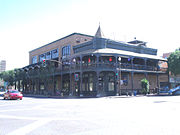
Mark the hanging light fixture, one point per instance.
(89, 60)
(110, 59)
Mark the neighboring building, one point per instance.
(2, 66)
(2, 69)
(173, 81)
(166, 55)
(1, 83)
(91, 66)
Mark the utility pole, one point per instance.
(119, 59)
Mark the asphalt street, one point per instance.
(153, 115)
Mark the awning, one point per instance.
(108, 51)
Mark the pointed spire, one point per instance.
(99, 33)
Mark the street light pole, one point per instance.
(74, 67)
(119, 59)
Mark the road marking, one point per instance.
(4, 105)
(20, 117)
(27, 129)
(40, 118)
(21, 109)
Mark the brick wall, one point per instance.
(73, 39)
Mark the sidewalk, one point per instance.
(45, 96)
(77, 97)
(125, 96)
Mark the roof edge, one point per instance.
(75, 33)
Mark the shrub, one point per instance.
(145, 86)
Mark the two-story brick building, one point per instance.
(84, 65)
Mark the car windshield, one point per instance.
(14, 91)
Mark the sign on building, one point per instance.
(76, 77)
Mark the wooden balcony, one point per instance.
(109, 66)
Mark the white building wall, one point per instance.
(2, 66)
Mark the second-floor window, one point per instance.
(48, 55)
(66, 50)
(41, 57)
(34, 59)
(55, 53)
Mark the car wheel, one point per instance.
(4, 98)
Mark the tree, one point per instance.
(8, 76)
(145, 86)
(19, 77)
(174, 62)
(178, 49)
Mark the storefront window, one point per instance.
(91, 86)
(88, 82)
(42, 87)
(66, 86)
(91, 82)
(83, 86)
(111, 86)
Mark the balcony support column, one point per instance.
(38, 85)
(132, 65)
(146, 75)
(145, 67)
(117, 78)
(157, 77)
(97, 61)
(97, 84)
(157, 65)
(70, 78)
(81, 75)
(97, 75)
(145, 63)
(132, 81)
(61, 83)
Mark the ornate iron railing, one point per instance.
(109, 65)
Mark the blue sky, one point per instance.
(18, 12)
(28, 24)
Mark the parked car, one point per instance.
(175, 91)
(2, 92)
(164, 90)
(13, 94)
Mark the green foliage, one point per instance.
(174, 62)
(178, 49)
(8, 76)
(145, 86)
